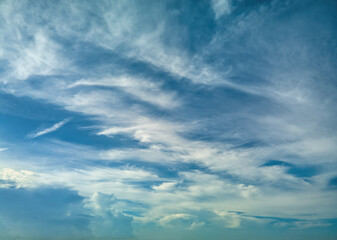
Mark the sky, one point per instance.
(168, 120)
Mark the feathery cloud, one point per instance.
(50, 129)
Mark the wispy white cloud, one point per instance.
(168, 221)
(296, 125)
(142, 89)
(166, 186)
(221, 7)
(50, 129)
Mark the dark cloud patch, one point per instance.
(271, 163)
(305, 171)
(333, 182)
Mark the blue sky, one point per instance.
(168, 120)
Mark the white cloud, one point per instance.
(109, 222)
(102, 203)
(296, 126)
(150, 130)
(122, 182)
(169, 220)
(300, 225)
(232, 219)
(50, 129)
(221, 7)
(142, 89)
(17, 179)
(38, 57)
(166, 186)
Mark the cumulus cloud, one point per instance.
(12, 178)
(109, 223)
(232, 219)
(177, 219)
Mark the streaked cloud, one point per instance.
(50, 129)
(209, 119)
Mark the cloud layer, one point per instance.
(168, 120)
